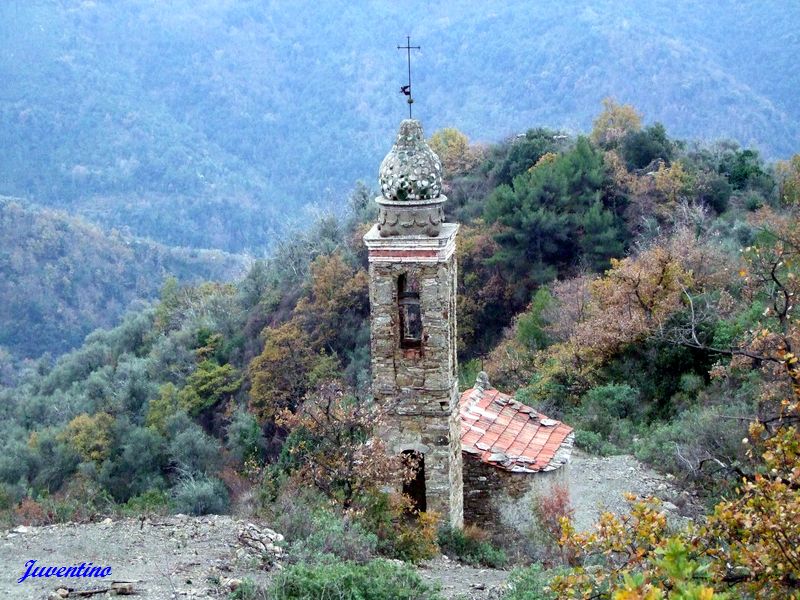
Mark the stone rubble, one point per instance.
(261, 543)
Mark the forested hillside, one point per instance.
(197, 123)
(637, 287)
(61, 278)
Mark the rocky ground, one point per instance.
(599, 483)
(164, 558)
(201, 557)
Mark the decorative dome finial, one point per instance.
(411, 186)
(411, 170)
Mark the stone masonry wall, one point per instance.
(421, 383)
(501, 502)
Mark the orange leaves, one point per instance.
(453, 149)
(636, 557)
(335, 306)
(773, 266)
(279, 373)
(90, 436)
(636, 297)
(338, 453)
(615, 122)
(623, 543)
(338, 294)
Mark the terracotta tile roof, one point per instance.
(510, 435)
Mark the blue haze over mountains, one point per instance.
(212, 123)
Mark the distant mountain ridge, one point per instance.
(61, 278)
(211, 123)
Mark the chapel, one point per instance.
(481, 456)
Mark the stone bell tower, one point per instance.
(412, 289)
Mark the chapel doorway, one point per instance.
(415, 487)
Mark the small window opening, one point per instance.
(410, 314)
(414, 488)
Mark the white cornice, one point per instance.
(412, 248)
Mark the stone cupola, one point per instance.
(411, 186)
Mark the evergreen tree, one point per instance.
(640, 148)
(552, 215)
(601, 239)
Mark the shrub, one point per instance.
(316, 533)
(64, 510)
(15, 460)
(200, 496)
(593, 443)
(155, 502)
(640, 148)
(290, 511)
(195, 452)
(248, 590)
(137, 465)
(161, 407)
(603, 407)
(376, 580)
(532, 323)
(6, 497)
(244, 438)
(90, 436)
(699, 437)
(549, 509)
(753, 202)
(55, 459)
(81, 498)
(401, 534)
(334, 537)
(30, 512)
(471, 545)
(417, 537)
(209, 384)
(530, 583)
(467, 373)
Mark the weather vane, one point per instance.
(406, 89)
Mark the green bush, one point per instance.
(6, 497)
(155, 502)
(529, 583)
(201, 496)
(316, 533)
(753, 201)
(376, 580)
(696, 434)
(194, 451)
(602, 407)
(137, 466)
(593, 443)
(469, 546)
(244, 438)
(248, 590)
(401, 535)
(334, 538)
(531, 324)
(606, 419)
(467, 373)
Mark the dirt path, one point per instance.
(462, 582)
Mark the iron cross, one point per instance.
(406, 89)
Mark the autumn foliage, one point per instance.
(338, 451)
(749, 546)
